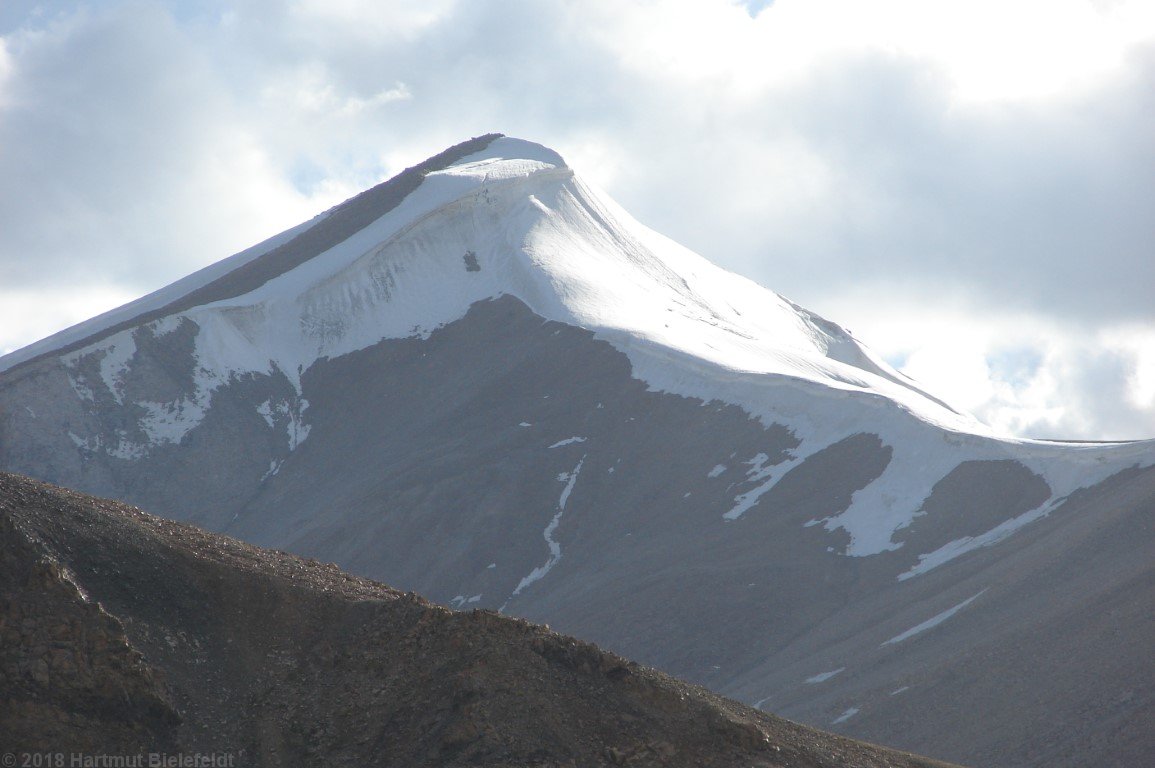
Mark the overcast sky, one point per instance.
(968, 186)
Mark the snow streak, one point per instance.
(538, 573)
(934, 621)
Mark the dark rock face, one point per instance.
(126, 634)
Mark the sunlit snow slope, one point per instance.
(486, 381)
(546, 237)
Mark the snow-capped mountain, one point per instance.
(484, 381)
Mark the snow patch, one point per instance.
(1066, 468)
(78, 381)
(767, 476)
(123, 448)
(265, 410)
(569, 478)
(934, 621)
(126, 449)
(845, 716)
(958, 547)
(568, 441)
(165, 325)
(461, 600)
(170, 422)
(824, 676)
(290, 415)
(538, 573)
(717, 470)
(894, 500)
(114, 364)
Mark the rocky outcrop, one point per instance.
(69, 673)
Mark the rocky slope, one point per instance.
(485, 382)
(126, 634)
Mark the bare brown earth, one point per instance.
(125, 634)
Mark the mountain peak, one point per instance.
(493, 216)
(486, 381)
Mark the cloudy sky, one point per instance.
(969, 186)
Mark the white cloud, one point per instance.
(23, 319)
(1136, 343)
(133, 162)
(370, 19)
(1019, 372)
(989, 50)
(955, 370)
(310, 90)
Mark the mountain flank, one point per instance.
(124, 633)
